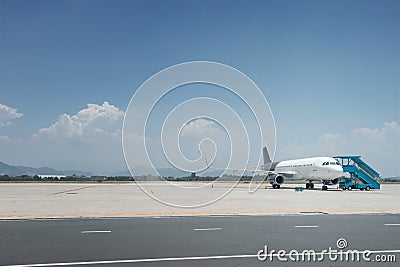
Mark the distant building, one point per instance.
(97, 178)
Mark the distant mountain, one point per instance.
(144, 170)
(220, 172)
(10, 170)
(137, 171)
(171, 172)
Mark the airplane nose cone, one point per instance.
(339, 170)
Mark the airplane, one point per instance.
(324, 169)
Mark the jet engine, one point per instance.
(335, 181)
(279, 179)
(331, 182)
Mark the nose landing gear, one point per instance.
(310, 185)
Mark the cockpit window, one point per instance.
(330, 163)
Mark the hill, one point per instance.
(10, 170)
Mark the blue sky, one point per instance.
(329, 70)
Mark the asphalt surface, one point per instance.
(195, 241)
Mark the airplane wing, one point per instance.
(288, 173)
(260, 171)
(285, 174)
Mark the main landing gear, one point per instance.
(276, 186)
(309, 185)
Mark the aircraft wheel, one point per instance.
(308, 186)
(311, 185)
(324, 188)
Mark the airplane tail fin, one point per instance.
(266, 157)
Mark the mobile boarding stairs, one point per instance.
(362, 176)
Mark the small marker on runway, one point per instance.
(306, 226)
(207, 229)
(392, 224)
(93, 232)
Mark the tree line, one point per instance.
(75, 178)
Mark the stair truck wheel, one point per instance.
(368, 188)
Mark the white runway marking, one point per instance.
(306, 226)
(207, 229)
(168, 259)
(132, 261)
(93, 232)
(392, 224)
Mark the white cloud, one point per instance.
(87, 140)
(378, 146)
(4, 138)
(7, 114)
(389, 133)
(330, 138)
(92, 121)
(200, 127)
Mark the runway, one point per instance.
(195, 241)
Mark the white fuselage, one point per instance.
(317, 168)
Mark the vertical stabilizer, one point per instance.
(267, 159)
